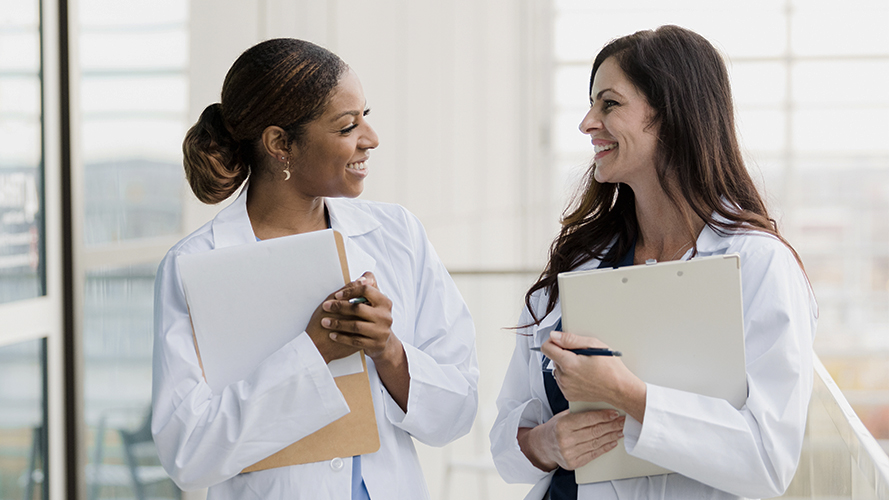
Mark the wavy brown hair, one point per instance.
(283, 82)
(698, 159)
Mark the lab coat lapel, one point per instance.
(546, 326)
(353, 224)
(549, 321)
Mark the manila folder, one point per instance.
(679, 324)
(248, 301)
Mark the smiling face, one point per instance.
(619, 124)
(331, 159)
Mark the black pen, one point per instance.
(593, 351)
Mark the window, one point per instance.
(133, 63)
(23, 420)
(21, 154)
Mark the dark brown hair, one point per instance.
(698, 159)
(283, 82)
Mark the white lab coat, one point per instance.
(205, 439)
(717, 452)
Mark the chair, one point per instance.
(34, 476)
(141, 467)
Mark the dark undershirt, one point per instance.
(563, 485)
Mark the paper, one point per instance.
(678, 325)
(346, 366)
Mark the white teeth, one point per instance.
(357, 166)
(604, 147)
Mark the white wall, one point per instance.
(456, 98)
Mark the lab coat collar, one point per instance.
(713, 241)
(232, 225)
(348, 219)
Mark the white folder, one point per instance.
(248, 301)
(679, 324)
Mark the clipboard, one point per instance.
(272, 287)
(679, 324)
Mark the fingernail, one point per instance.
(332, 336)
(555, 335)
(325, 322)
(338, 295)
(613, 415)
(620, 434)
(327, 305)
(361, 280)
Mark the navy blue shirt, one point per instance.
(563, 485)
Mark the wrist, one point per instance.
(392, 355)
(631, 397)
(530, 444)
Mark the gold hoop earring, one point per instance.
(286, 169)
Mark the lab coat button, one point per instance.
(336, 464)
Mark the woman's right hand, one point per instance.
(329, 349)
(571, 440)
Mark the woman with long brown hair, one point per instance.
(667, 182)
(291, 132)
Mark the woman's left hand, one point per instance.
(594, 378)
(366, 325)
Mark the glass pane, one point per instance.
(582, 27)
(841, 83)
(760, 129)
(823, 27)
(864, 130)
(117, 348)
(152, 51)
(21, 153)
(22, 420)
(758, 83)
(132, 199)
(97, 14)
(133, 98)
(155, 95)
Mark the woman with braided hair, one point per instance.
(291, 132)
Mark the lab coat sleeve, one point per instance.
(443, 392)
(752, 452)
(204, 438)
(517, 407)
